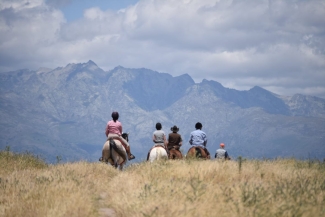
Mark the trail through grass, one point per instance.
(287, 187)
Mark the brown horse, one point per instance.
(174, 154)
(197, 152)
(114, 152)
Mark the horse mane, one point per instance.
(125, 136)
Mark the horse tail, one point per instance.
(158, 154)
(118, 151)
(198, 152)
(111, 146)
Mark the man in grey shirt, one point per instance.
(159, 138)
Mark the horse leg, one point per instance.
(179, 155)
(105, 153)
(148, 155)
(207, 153)
(115, 164)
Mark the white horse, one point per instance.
(157, 153)
(115, 153)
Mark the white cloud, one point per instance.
(27, 28)
(278, 45)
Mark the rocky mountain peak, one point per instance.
(63, 112)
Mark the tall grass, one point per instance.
(282, 187)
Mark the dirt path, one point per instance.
(105, 212)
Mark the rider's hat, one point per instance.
(222, 145)
(174, 128)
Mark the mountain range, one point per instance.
(61, 113)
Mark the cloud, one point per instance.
(58, 3)
(278, 45)
(27, 28)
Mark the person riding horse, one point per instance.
(199, 138)
(159, 138)
(174, 139)
(114, 152)
(113, 130)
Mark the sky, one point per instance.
(275, 44)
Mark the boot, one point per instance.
(130, 156)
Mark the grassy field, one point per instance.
(284, 187)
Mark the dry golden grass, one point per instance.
(168, 188)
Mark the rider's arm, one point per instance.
(205, 140)
(106, 130)
(165, 141)
(120, 128)
(191, 139)
(226, 155)
(180, 141)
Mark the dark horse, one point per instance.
(197, 152)
(175, 153)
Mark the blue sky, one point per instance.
(74, 9)
(275, 44)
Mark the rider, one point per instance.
(159, 138)
(199, 138)
(221, 153)
(114, 131)
(174, 139)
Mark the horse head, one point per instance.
(125, 136)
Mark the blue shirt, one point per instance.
(198, 138)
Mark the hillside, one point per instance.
(62, 112)
(290, 187)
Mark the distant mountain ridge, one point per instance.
(63, 112)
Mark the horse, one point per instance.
(197, 152)
(175, 153)
(157, 153)
(113, 152)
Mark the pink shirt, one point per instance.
(113, 127)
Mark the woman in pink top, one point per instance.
(114, 131)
